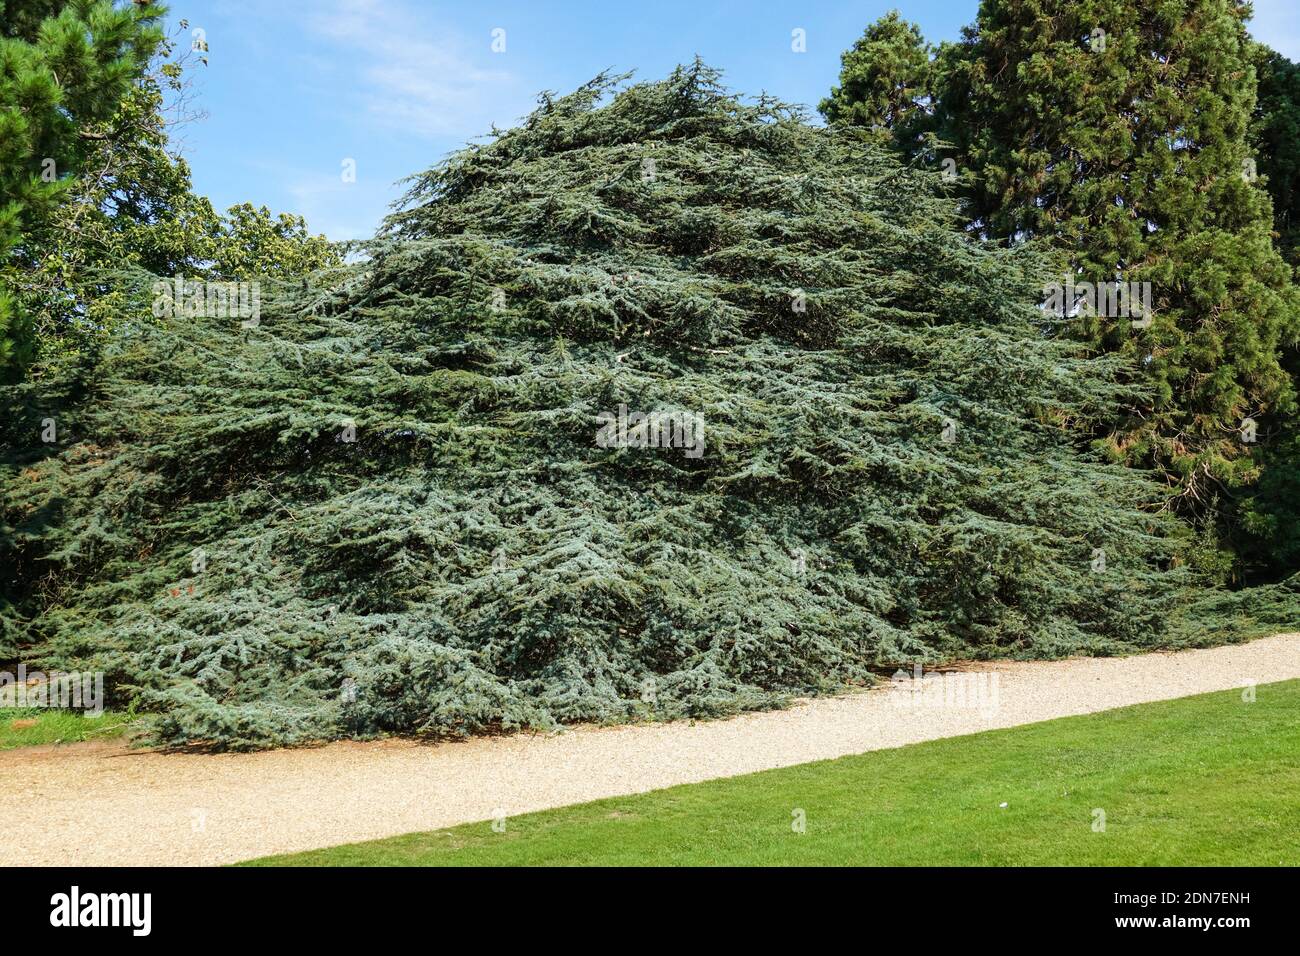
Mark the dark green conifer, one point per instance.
(1118, 133)
(386, 507)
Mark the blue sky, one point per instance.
(293, 88)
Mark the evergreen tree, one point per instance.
(64, 66)
(1117, 132)
(1270, 512)
(1276, 141)
(886, 83)
(405, 500)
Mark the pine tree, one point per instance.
(64, 66)
(406, 501)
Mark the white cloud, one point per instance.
(415, 75)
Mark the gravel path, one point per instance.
(99, 804)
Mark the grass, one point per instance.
(1207, 780)
(28, 726)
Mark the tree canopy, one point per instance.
(387, 505)
(130, 205)
(64, 67)
(1275, 137)
(886, 82)
(1120, 135)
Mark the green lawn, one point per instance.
(1197, 781)
(26, 726)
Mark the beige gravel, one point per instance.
(96, 804)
